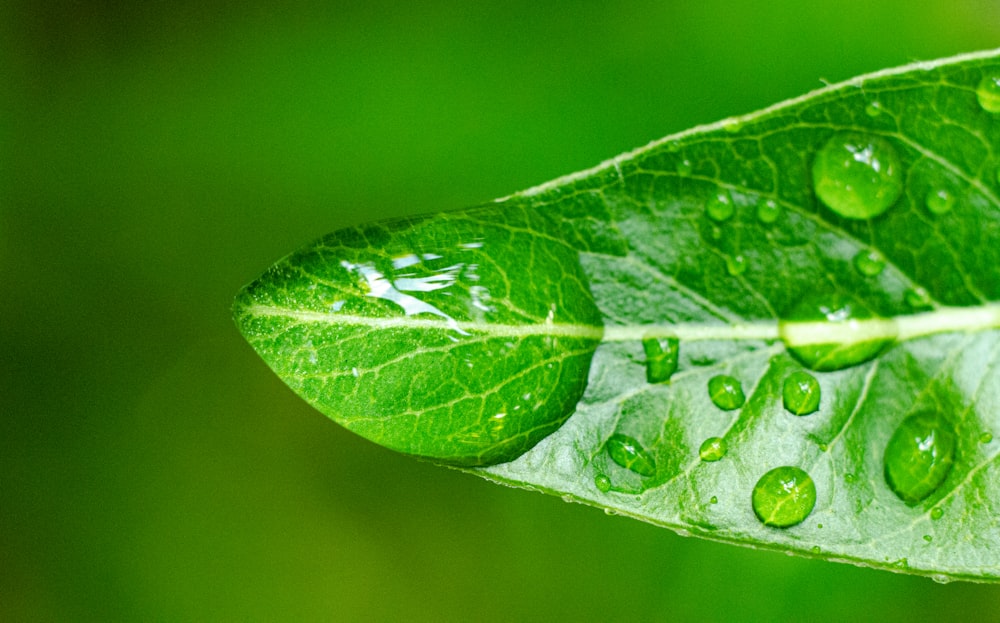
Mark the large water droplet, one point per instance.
(629, 453)
(988, 93)
(712, 449)
(768, 211)
(919, 456)
(869, 263)
(726, 392)
(662, 354)
(720, 207)
(784, 497)
(800, 393)
(939, 201)
(828, 331)
(857, 176)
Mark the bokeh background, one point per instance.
(156, 156)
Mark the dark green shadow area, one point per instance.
(156, 157)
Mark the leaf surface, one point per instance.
(650, 336)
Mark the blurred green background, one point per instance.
(157, 156)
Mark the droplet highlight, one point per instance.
(988, 93)
(784, 497)
(857, 176)
(919, 457)
(720, 208)
(829, 331)
(869, 263)
(939, 202)
(712, 449)
(662, 357)
(726, 392)
(629, 453)
(800, 393)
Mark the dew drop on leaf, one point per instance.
(919, 456)
(800, 393)
(869, 263)
(857, 342)
(712, 449)
(720, 208)
(662, 354)
(736, 265)
(768, 211)
(873, 109)
(726, 392)
(714, 499)
(939, 201)
(602, 482)
(988, 93)
(684, 167)
(857, 176)
(629, 453)
(937, 513)
(918, 298)
(928, 538)
(784, 497)
(986, 437)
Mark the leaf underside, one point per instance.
(516, 340)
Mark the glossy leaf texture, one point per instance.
(780, 330)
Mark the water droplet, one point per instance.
(732, 126)
(849, 478)
(610, 512)
(726, 392)
(714, 500)
(939, 201)
(988, 93)
(919, 456)
(720, 207)
(828, 331)
(940, 578)
(928, 538)
(937, 513)
(629, 453)
(736, 265)
(602, 482)
(800, 393)
(784, 497)
(986, 437)
(662, 354)
(869, 263)
(684, 167)
(768, 211)
(873, 109)
(918, 298)
(712, 449)
(857, 176)
(815, 549)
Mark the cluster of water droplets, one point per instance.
(856, 176)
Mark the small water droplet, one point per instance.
(726, 392)
(857, 341)
(857, 176)
(567, 498)
(988, 93)
(873, 109)
(732, 126)
(603, 483)
(662, 355)
(869, 263)
(736, 265)
(800, 393)
(714, 500)
(986, 437)
(720, 208)
(939, 201)
(928, 538)
(849, 478)
(937, 513)
(629, 453)
(918, 298)
(940, 578)
(784, 497)
(610, 512)
(768, 211)
(712, 449)
(815, 549)
(919, 456)
(684, 167)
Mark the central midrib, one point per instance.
(901, 328)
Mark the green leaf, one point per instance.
(780, 330)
